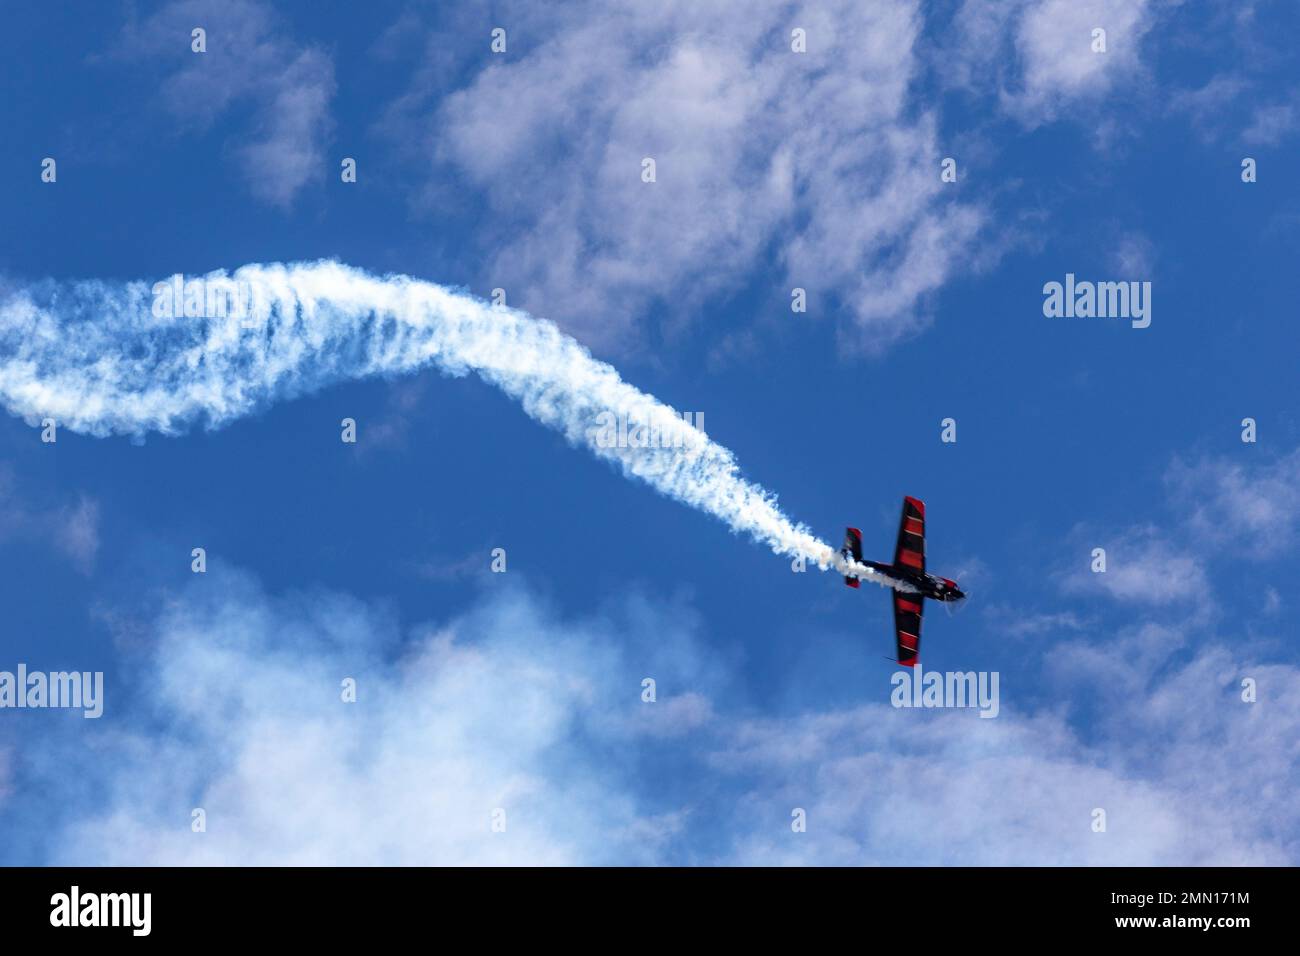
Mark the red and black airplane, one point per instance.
(909, 567)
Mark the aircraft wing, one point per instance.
(910, 550)
(907, 626)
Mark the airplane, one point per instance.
(909, 567)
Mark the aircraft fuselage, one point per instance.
(927, 585)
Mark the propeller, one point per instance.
(953, 607)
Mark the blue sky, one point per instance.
(522, 690)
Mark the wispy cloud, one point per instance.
(1251, 508)
(1021, 622)
(1270, 123)
(1142, 566)
(251, 58)
(914, 788)
(818, 170)
(76, 530)
(506, 708)
(1208, 105)
(72, 528)
(513, 706)
(1225, 508)
(818, 160)
(1038, 55)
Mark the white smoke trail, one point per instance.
(98, 358)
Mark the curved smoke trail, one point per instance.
(103, 358)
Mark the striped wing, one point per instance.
(910, 551)
(907, 626)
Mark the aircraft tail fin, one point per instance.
(852, 549)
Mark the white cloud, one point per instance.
(513, 706)
(1133, 256)
(1216, 108)
(1270, 124)
(1018, 802)
(671, 716)
(1142, 565)
(1210, 105)
(1018, 622)
(1055, 41)
(1122, 664)
(250, 58)
(391, 429)
(1231, 509)
(76, 530)
(1251, 508)
(72, 529)
(1225, 510)
(1038, 54)
(6, 762)
(774, 169)
(816, 166)
(1171, 761)
(504, 707)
